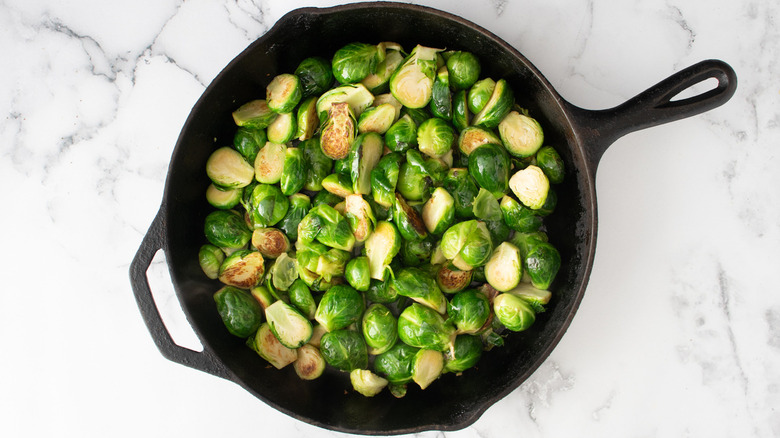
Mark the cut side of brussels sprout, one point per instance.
(339, 131)
(479, 94)
(513, 312)
(242, 269)
(254, 114)
(283, 128)
(310, 364)
(500, 104)
(409, 223)
(360, 216)
(210, 258)
(505, 267)
(381, 246)
(307, 119)
(486, 206)
(224, 199)
(438, 213)
(338, 184)
(451, 279)
(427, 367)
(354, 61)
(269, 348)
(283, 93)
(377, 119)
(228, 169)
(315, 74)
(531, 186)
(339, 307)
(317, 333)
(378, 82)
(469, 310)
(435, 137)
(521, 135)
(240, 313)
(367, 383)
(288, 325)
(284, 272)
(364, 155)
(473, 137)
(269, 163)
(344, 350)
(412, 82)
(226, 229)
(380, 328)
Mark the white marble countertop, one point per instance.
(679, 331)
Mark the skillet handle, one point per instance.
(655, 106)
(153, 241)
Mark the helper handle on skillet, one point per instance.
(152, 242)
(654, 106)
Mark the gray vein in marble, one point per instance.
(547, 381)
(679, 18)
(772, 317)
(499, 6)
(251, 10)
(725, 290)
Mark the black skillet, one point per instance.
(451, 403)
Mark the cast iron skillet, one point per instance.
(452, 403)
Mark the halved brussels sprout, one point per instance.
(519, 217)
(401, 135)
(380, 328)
(291, 328)
(451, 279)
(377, 119)
(317, 264)
(328, 226)
(327, 198)
(366, 383)
(299, 205)
(513, 312)
(315, 74)
(283, 128)
(240, 312)
(340, 306)
(357, 96)
(358, 273)
(269, 163)
(224, 199)
(210, 258)
(388, 98)
(384, 178)
(283, 93)
(381, 246)
(542, 263)
(318, 164)
(262, 295)
(226, 229)
(271, 242)
(473, 137)
(420, 287)
(363, 156)
(479, 94)
(249, 141)
(302, 299)
(317, 333)
(521, 135)
(467, 244)
(412, 82)
(408, 221)
(427, 366)
(531, 186)
(414, 179)
(284, 272)
(293, 172)
(269, 205)
(418, 115)
(461, 117)
(469, 310)
(310, 364)
(344, 350)
(307, 119)
(380, 292)
(441, 99)
(486, 206)
(339, 131)
(339, 184)
(489, 166)
(254, 114)
(537, 298)
(461, 186)
(435, 137)
(396, 363)
(438, 213)
(466, 354)
(525, 241)
(548, 159)
(422, 327)
(464, 70)
(378, 82)
(416, 253)
(354, 61)
(269, 348)
(499, 105)
(228, 169)
(360, 216)
(505, 267)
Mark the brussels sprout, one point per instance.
(353, 62)
(269, 348)
(416, 253)
(499, 105)
(318, 164)
(505, 267)
(228, 169)
(344, 350)
(384, 178)
(339, 307)
(283, 93)
(327, 198)
(329, 228)
(381, 246)
(489, 166)
(469, 310)
(427, 366)
(271, 242)
(519, 217)
(291, 328)
(548, 159)
(396, 363)
(378, 82)
(380, 292)
(420, 287)
(461, 186)
(531, 186)
(226, 229)
(299, 205)
(270, 205)
(464, 70)
(363, 156)
(269, 163)
(499, 231)
(549, 204)
(262, 295)
(283, 128)
(542, 263)
(310, 364)
(513, 312)
(467, 244)
(451, 279)
(223, 199)
(412, 82)
(318, 264)
(435, 137)
(473, 137)
(380, 328)
(293, 173)
(408, 221)
(414, 180)
(438, 212)
(318, 332)
(377, 119)
(479, 94)
(338, 184)
(307, 120)
(521, 135)
(301, 298)
(466, 354)
(240, 312)
(441, 99)
(339, 131)
(366, 383)
(537, 298)
(356, 96)
(358, 273)
(388, 98)
(461, 117)
(422, 327)
(284, 272)
(486, 206)
(248, 142)
(315, 74)
(254, 114)
(210, 258)
(525, 241)
(401, 135)
(360, 217)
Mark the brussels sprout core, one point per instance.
(530, 185)
(339, 131)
